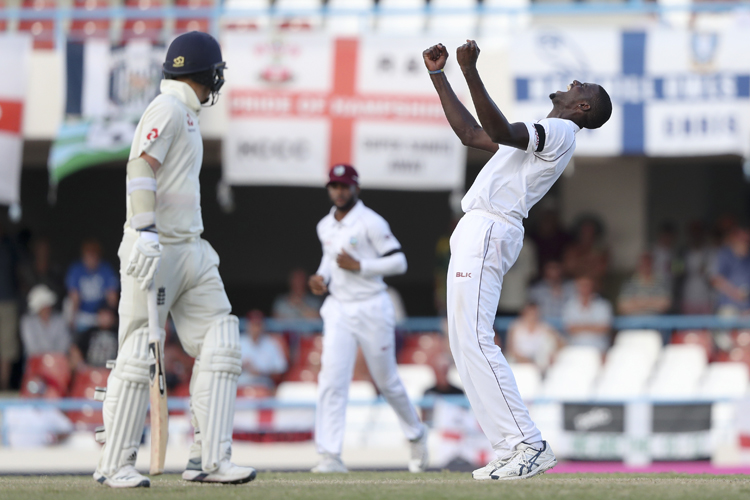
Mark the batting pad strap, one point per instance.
(227, 360)
(141, 184)
(143, 220)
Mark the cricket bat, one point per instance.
(158, 388)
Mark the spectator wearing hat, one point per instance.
(262, 356)
(43, 330)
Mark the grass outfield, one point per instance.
(391, 485)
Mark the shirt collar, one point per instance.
(575, 127)
(183, 92)
(351, 217)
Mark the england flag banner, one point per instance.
(300, 103)
(674, 92)
(15, 51)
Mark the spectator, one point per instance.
(97, 345)
(645, 293)
(441, 364)
(42, 329)
(9, 345)
(587, 317)
(731, 276)
(587, 255)
(262, 356)
(552, 292)
(39, 269)
(531, 340)
(550, 238)
(91, 283)
(516, 281)
(664, 255)
(696, 296)
(298, 303)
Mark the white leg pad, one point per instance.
(215, 389)
(125, 404)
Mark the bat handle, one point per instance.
(154, 331)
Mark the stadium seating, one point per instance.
(417, 379)
(647, 341)
(528, 378)
(46, 375)
(724, 380)
(419, 349)
(3, 22)
(701, 338)
(81, 28)
(452, 24)
(306, 361)
(572, 376)
(625, 373)
(42, 30)
(257, 19)
(678, 372)
(183, 25)
(292, 19)
(340, 22)
(148, 28)
(85, 381)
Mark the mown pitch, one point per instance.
(391, 485)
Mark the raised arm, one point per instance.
(463, 123)
(497, 127)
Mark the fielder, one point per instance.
(529, 158)
(163, 231)
(358, 250)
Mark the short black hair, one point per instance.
(600, 111)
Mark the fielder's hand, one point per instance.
(347, 262)
(435, 57)
(317, 284)
(467, 55)
(144, 259)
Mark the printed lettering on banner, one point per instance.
(303, 102)
(674, 93)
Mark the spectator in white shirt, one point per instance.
(43, 330)
(552, 292)
(531, 340)
(588, 317)
(262, 356)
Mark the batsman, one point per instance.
(163, 233)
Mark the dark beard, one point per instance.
(348, 205)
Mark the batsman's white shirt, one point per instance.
(169, 131)
(364, 235)
(484, 245)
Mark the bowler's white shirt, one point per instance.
(514, 180)
(169, 132)
(364, 235)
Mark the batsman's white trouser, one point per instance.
(368, 324)
(483, 248)
(189, 287)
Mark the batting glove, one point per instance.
(144, 259)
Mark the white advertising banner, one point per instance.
(675, 93)
(300, 103)
(15, 51)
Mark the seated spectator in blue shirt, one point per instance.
(552, 292)
(731, 275)
(262, 356)
(299, 303)
(91, 284)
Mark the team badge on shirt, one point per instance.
(353, 242)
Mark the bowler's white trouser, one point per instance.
(368, 324)
(483, 248)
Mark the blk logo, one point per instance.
(463, 275)
(161, 296)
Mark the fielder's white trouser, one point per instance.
(368, 324)
(483, 248)
(190, 288)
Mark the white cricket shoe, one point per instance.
(485, 473)
(328, 464)
(126, 477)
(227, 473)
(526, 462)
(419, 455)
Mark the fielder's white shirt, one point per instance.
(170, 132)
(364, 235)
(513, 180)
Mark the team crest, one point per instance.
(353, 242)
(178, 62)
(339, 170)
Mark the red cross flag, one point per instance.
(15, 51)
(299, 103)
